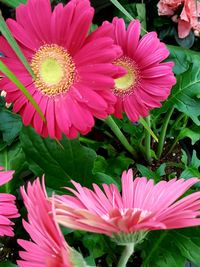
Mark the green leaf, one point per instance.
(184, 95)
(71, 160)
(182, 58)
(185, 244)
(156, 174)
(136, 11)
(193, 133)
(192, 168)
(13, 158)
(21, 87)
(7, 34)
(122, 9)
(146, 126)
(186, 42)
(7, 264)
(13, 3)
(10, 125)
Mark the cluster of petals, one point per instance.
(73, 71)
(168, 7)
(148, 80)
(8, 209)
(47, 246)
(188, 18)
(142, 206)
(77, 76)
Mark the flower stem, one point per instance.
(7, 185)
(126, 254)
(113, 126)
(163, 132)
(148, 140)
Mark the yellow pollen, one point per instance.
(126, 84)
(54, 70)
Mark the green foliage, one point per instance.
(193, 133)
(191, 166)
(184, 95)
(13, 158)
(156, 175)
(59, 162)
(10, 126)
(182, 58)
(122, 9)
(7, 264)
(172, 248)
(13, 3)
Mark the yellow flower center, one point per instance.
(126, 84)
(54, 70)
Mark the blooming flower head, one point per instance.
(141, 207)
(189, 18)
(73, 71)
(48, 246)
(168, 7)
(8, 209)
(147, 81)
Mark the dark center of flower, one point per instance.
(54, 69)
(127, 83)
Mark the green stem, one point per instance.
(176, 123)
(163, 132)
(6, 186)
(178, 136)
(113, 126)
(126, 254)
(148, 140)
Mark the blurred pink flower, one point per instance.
(48, 246)
(8, 209)
(148, 81)
(189, 18)
(142, 207)
(167, 7)
(73, 72)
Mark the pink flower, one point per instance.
(189, 18)
(48, 246)
(8, 209)
(73, 72)
(148, 81)
(167, 7)
(142, 207)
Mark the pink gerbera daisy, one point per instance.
(73, 71)
(8, 209)
(48, 246)
(142, 207)
(147, 81)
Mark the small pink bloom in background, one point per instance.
(189, 18)
(73, 72)
(141, 207)
(147, 81)
(48, 246)
(168, 7)
(8, 209)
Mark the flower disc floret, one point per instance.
(54, 70)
